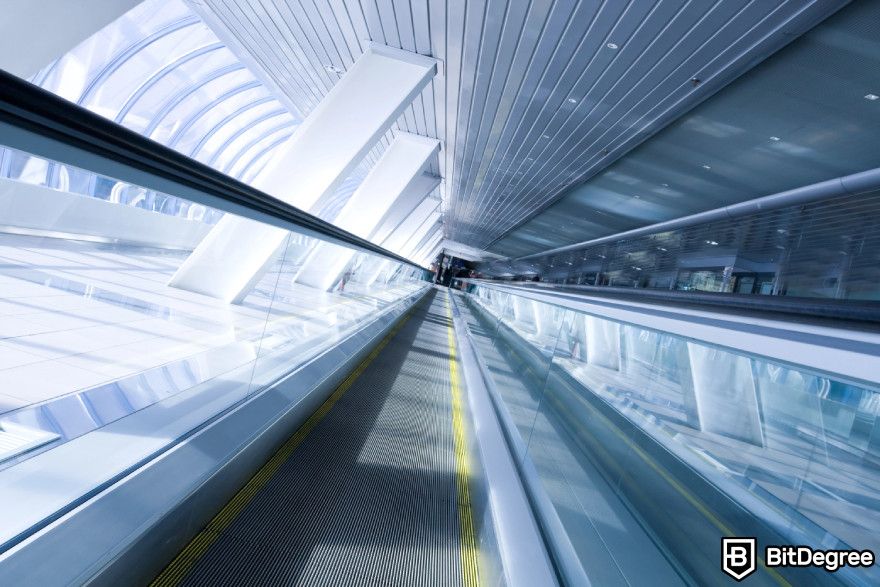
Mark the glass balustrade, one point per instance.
(99, 349)
(645, 441)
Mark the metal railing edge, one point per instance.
(43, 124)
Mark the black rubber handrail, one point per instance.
(41, 123)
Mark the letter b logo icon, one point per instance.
(738, 557)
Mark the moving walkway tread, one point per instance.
(369, 496)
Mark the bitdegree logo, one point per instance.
(804, 556)
(739, 557)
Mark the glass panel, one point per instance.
(99, 350)
(789, 251)
(32, 170)
(651, 447)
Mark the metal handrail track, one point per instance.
(41, 123)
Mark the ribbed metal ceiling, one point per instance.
(534, 96)
(302, 48)
(802, 116)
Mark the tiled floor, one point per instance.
(74, 315)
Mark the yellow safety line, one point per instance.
(190, 555)
(469, 559)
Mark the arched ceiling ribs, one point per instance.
(227, 119)
(114, 64)
(262, 118)
(161, 74)
(253, 164)
(250, 144)
(178, 98)
(250, 85)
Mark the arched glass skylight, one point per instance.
(160, 71)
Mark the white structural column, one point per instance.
(394, 177)
(418, 238)
(424, 215)
(421, 252)
(431, 251)
(415, 193)
(603, 343)
(726, 393)
(33, 33)
(414, 227)
(322, 152)
(415, 245)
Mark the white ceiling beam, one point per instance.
(430, 244)
(379, 194)
(420, 217)
(415, 193)
(467, 252)
(323, 151)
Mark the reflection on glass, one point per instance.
(93, 333)
(643, 437)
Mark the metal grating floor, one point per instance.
(369, 496)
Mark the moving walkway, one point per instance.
(333, 418)
(372, 489)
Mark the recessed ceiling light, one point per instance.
(707, 167)
(572, 101)
(872, 97)
(611, 45)
(775, 139)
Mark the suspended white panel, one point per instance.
(323, 152)
(401, 166)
